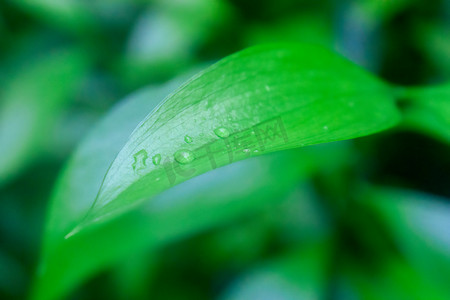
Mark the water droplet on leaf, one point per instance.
(184, 156)
(140, 160)
(188, 139)
(156, 159)
(222, 132)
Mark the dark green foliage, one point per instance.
(301, 165)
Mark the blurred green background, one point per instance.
(365, 219)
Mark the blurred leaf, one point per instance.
(83, 176)
(12, 276)
(3, 32)
(32, 100)
(434, 40)
(65, 263)
(133, 276)
(292, 220)
(393, 279)
(238, 245)
(305, 28)
(168, 35)
(427, 110)
(301, 216)
(420, 224)
(73, 15)
(240, 108)
(322, 81)
(299, 275)
(384, 10)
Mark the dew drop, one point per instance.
(325, 127)
(184, 156)
(267, 88)
(188, 139)
(140, 160)
(222, 132)
(156, 159)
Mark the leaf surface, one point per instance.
(257, 101)
(427, 110)
(65, 263)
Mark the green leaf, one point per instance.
(384, 11)
(31, 103)
(257, 101)
(432, 38)
(167, 37)
(67, 14)
(297, 275)
(133, 277)
(305, 28)
(12, 276)
(420, 224)
(428, 110)
(305, 93)
(65, 263)
(392, 279)
(82, 177)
